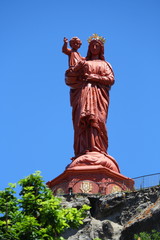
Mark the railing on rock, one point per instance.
(147, 181)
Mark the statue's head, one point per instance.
(75, 43)
(96, 47)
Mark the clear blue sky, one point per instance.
(35, 116)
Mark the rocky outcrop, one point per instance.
(116, 216)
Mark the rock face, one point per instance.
(116, 216)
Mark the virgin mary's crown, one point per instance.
(96, 37)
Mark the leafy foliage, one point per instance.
(37, 215)
(154, 235)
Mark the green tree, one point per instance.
(154, 235)
(37, 214)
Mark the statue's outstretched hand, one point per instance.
(65, 40)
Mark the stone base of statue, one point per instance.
(91, 173)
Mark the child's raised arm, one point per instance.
(64, 47)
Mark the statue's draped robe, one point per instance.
(90, 101)
(74, 58)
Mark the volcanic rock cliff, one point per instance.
(116, 216)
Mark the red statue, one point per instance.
(92, 169)
(90, 81)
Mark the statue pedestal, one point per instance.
(91, 173)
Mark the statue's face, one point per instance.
(75, 45)
(95, 48)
